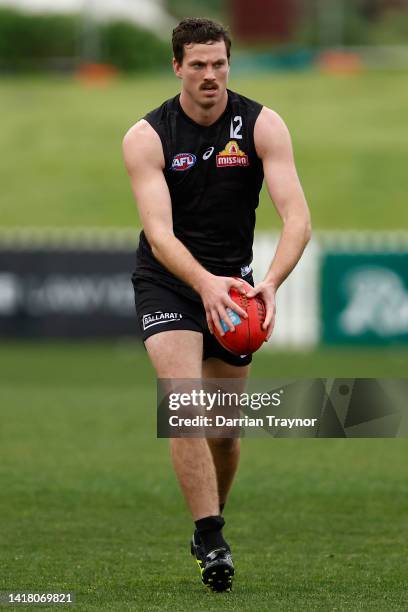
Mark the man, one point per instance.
(196, 166)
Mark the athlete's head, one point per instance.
(201, 50)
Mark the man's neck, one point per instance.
(203, 116)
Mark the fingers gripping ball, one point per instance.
(248, 336)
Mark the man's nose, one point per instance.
(209, 74)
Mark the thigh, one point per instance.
(176, 353)
(171, 328)
(226, 439)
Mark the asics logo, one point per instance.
(208, 153)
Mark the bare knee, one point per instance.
(224, 445)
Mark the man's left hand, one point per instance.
(267, 292)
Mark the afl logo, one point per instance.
(183, 161)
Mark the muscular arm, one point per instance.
(144, 160)
(273, 145)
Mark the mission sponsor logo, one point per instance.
(183, 161)
(159, 317)
(232, 156)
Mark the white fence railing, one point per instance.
(298, 322)
(297, 300)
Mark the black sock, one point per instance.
(209, 531)
(197, 535)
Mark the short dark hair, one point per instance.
(195, 30)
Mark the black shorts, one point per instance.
(160, 308)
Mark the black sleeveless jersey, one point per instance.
(214, 177)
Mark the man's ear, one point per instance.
(176, 68)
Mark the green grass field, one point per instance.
(90, 503)
(89, 500)
(61, 147)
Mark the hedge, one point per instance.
(35, 42)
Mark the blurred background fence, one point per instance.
(76, 74)
(348, 289)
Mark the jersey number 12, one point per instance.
(236, 125)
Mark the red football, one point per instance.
(248, 335)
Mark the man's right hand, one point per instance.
(214, 292)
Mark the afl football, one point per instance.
(248, 336)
